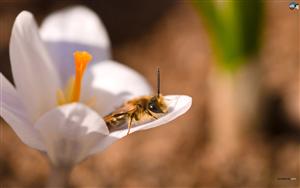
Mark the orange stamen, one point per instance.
(81, 59)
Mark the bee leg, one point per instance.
(150, 114)
(129, 124)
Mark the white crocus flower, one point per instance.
(69, 128)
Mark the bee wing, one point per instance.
(121, 111)
(125, 109)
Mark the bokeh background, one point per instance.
(239, 60)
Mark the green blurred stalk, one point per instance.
(234, 89)
(234, 27)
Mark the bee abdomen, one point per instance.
(114, 122)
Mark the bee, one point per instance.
(138, 109)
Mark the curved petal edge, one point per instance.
(70, 132)
(178, 105)
(14, 113)
(113, 83)
(34, 74)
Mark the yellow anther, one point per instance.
(81, 59)
(60, 97)
(69, 88)
(72, 91)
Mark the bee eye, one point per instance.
(153, 107)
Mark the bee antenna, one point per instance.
(158, 82)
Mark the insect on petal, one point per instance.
(177, 104)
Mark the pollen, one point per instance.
(72, 91)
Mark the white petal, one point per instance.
(13, 112)
(34, 74)
(71, 29)
(70, 131)
(76, 24)
(177, 104)
(111, 84)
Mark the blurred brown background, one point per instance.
(186, 152)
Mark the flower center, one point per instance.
(72, 91)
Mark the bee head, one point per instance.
(157, 104)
